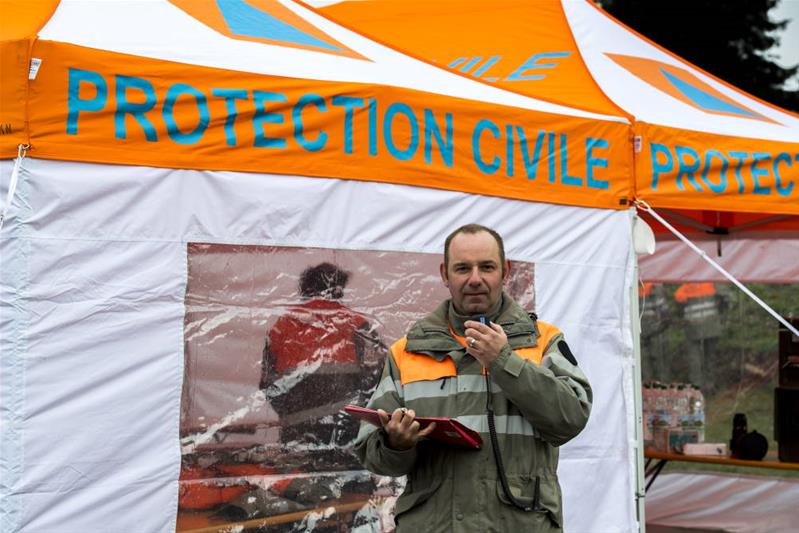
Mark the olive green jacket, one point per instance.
(537, 408)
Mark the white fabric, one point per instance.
(597, 35)
(92, 311)
(719, 502)
(157, 29)
(759, 257)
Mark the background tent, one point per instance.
(715, 161)
(185, 162)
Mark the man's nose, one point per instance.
(474, 277)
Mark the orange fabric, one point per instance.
(467, 36)
(416, 367)
(687, 169)
(14, 60)
(314, 331)
(686, 291)
(392, 135)
(525, 47)
(654, 72)
(536, 353)
(645, 289)
(200, 488)
(22, 20)
(687, 221)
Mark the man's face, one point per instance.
(475, 274)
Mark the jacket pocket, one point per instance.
(523, 489)
(415, 494)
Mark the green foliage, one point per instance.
(729, 39)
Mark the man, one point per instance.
(318, 357)
(539, 397)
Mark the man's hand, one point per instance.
(484, 341)
(402, 430)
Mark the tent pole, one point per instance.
(635, 320)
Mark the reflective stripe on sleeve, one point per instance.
(505, 425)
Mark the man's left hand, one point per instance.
(484, 341)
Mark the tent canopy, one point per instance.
(698, 142)
(157, 86)
(187, 161)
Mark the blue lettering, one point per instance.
(470, 64)
(591, 162)
(758, 172)
(740, 157)
(530, 165)
(787, 158)
(172, 129)
(350, 104)
(74, 103)
(520, 74)
(296, 116)
(262, 116)
(564, 163)
(431, 131)
(722, 184)
(687, 169)
(509, 148)
(657, 167)
(487, 65)
(487, 168)
(372, 126)
(388, 123)
(137, 110)
(551, 156)
(230, 96)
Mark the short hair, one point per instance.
(324, 279)
(471, 229)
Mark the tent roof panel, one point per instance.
(503, 43)
(159, 29)
(659, 88)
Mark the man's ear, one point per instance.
(507, 270)
(443, 271)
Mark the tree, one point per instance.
(729, 39)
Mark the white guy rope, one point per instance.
(22, 151)
(644, 206)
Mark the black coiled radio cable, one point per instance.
(534, 505)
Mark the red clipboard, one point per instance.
(447, 430)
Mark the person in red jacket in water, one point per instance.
(318, 357)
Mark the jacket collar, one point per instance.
(432, 336)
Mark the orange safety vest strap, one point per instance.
(419, 367)
(536, 353)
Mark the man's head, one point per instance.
(324, 280)
(474, 268)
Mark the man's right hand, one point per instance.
(402, 430)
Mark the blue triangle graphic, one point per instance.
(703, 99)
(247, 21)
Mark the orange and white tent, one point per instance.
(712, 159)
(170, 167)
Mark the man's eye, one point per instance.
(488, 268)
